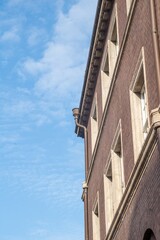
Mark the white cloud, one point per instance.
(36, 35)
(42, 119)
(19, 107)
(10, 35)
(9, 139)
(33, 67)
(58, 74)
(23, 91)
(40, 233)
(56, 77)
(38, 162)
(43, 231)
(57, 188)
(61, 69)
(12, 3)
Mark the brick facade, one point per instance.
(139, 208)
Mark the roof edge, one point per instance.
(100, 29)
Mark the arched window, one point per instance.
(149, 235)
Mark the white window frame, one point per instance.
(105, 79)
(108, 194)
(117, 166)
(94, 123)
(113, 46)
(139, 105)
(96, 219)
(114, 183)
(144, 110)
(110, 57)
(128, 5)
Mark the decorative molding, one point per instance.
(155, 116)
(134, 181)
(113, 80)
(94, 60)
(96, 201)
(116, 135)
(107, 163)
(137, 70)
(139, 80)
(150, 141)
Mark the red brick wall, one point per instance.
(139, 35)
(144, 211)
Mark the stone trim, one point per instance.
(113, 80)
(155, 116)
(94, 60)
(134, 181)
(96, 218)
(137, 82)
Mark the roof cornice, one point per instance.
(98, 39)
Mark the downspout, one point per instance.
(85, 187)
(85, 200)
(76, 117)
(156, 45)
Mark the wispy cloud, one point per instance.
(39, 85)
(63, 62)
(56, 76)
(38, 178)
(14, 2)
(41, 230)
(10, 35)
(36, 35)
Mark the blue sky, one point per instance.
(43, 53)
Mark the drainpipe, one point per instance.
(85, 187)
(85, 200)
(76, 117)
(156, 44)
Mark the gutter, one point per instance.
(85, 187)
(100, 29)
(91, 49)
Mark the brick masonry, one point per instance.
(144, 211)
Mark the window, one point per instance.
(105, 80)
(110, 57)
(95, 221)
(114, 184)
(94, 123)
(144, 110)
(139, 107)
(149, 235)
(114, 38)
(117, 166)
(128, 4)
(113, 47)
(108, 193)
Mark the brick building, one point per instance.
(119, 119)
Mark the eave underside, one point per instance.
(94, 60)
